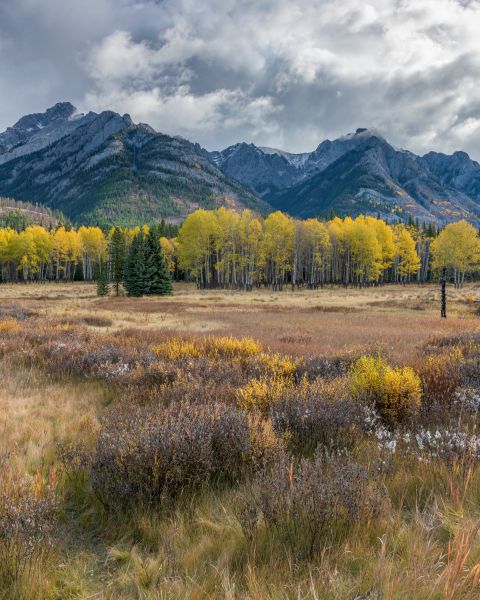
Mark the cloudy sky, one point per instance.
(283, 73)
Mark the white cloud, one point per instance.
(278, 72)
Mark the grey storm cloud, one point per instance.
(283, 73)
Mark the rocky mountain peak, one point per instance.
(62, 111)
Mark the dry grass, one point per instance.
(328, 321)
(203, 546)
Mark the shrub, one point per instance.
(440, 377)
(15, 312)
(260, 394)
(177, 348)
(311, 502)
(324, 366)
(95, 321)
(8, 326)
(394, 392)
(264, 441)
(211, 347)
(470, 372)
(149, 454)
(27, 508)
(278, 367)
(315, 417)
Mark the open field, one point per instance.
(395, 319)
(152, 456)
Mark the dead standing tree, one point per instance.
(443, 283)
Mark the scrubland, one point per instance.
(307, 444)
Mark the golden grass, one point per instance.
(36, 413)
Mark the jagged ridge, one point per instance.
(360, 172)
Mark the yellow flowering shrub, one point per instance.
(395, 392)
(9, 325)
(210, 347)
(259, 394)
(230, 347)
(177, 348)
(278, 366)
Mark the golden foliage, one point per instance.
(9, 325)
(260, 393)
(211, 347)
(395, 392)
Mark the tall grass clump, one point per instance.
(440, 377)
(28, 506)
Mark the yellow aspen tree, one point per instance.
(196, 246)
(168, 247)
(456, 248)
(406, 262)
(278, 241)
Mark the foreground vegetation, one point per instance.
(140, 462)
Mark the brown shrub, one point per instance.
(311, 502)
(94, 321)
(316, 416)
(148, 454)
(440, 378)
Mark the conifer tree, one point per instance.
(157, 276)
(103, 288)
(117, 251)
(134, 272)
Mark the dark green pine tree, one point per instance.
(117, 254)
(134, 277)
(103, 288)
(156, 271)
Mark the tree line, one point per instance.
(227, 249)
(239, 250)
(137, 259)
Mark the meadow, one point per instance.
(216, 444)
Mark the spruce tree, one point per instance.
(103, 288)
(117, 252)
(157, 275)
(134, 278)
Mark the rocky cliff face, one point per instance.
(457, 170)
(102, 168)
(264, 172)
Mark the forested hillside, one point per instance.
(18, 215)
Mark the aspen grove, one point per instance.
(224, 248)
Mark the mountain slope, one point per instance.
(105, 169)
(262, 171)
(457, 170)
(362, 172)
(377, 179)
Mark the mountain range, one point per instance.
(104, 169)
(359, 173)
